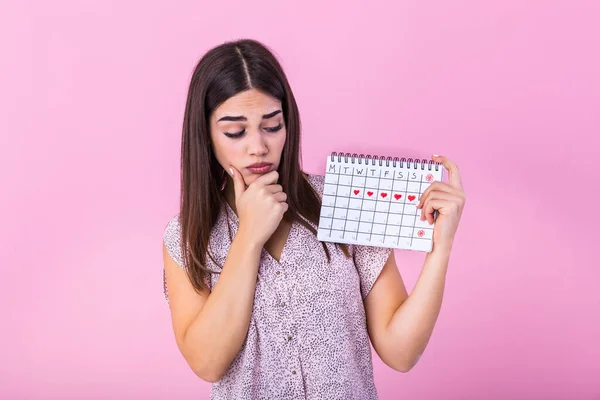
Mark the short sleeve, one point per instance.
(369, 261)
(172, 239)
(317, 182)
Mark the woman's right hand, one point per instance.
(260, 206)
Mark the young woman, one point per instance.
(259, 306)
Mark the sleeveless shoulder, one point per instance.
(172, 240)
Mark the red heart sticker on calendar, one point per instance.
(370, 194)
(411, 197)
(356, 191)
(421, 233)
(397, 196)
(383, 195)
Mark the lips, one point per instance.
(259, 165)
(260, 168)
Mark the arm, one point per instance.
(210, 328)
(400, 326)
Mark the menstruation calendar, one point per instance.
(368, 200)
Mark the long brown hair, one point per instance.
(221, 73)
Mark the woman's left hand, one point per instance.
(448, 199)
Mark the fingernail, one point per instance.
(231, 171)
(436, 155)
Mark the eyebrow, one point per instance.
(242, 118)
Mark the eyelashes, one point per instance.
(238, 134)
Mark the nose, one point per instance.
(257, 145)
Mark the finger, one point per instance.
(239, 186)
(280, 197)
(439, 195)
(437, 186)
(274, 188)
(431, 206)
(436, 196)
(284, 207)
(453, 174)
(267, 179)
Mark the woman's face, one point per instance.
(246, 129)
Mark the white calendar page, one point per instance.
(368, 204)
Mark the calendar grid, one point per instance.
(375, 209)
(337, 188)
(362, 201)
(351, 214)
(387, 213)
(403, 214)
(346, 217)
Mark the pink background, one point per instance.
(92, 97)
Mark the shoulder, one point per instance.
(173, 229)
(172, 239)
(317, 182)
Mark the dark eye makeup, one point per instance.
(238, 134)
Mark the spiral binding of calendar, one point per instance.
(395, 161)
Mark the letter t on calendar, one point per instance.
(373, 202)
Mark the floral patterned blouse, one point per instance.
(307, 337)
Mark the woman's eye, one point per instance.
(276, 128)
(233, 135)
(238, 134)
